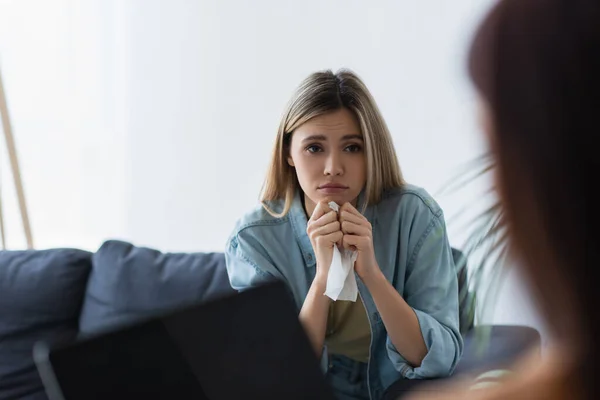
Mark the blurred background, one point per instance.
(152, 121)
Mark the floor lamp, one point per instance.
(16, 173)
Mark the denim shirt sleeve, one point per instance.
(431, 289)
(247, 266)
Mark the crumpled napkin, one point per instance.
(341, 282)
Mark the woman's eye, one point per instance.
(313, 148)
(353, 148)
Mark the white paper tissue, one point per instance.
(341, 282)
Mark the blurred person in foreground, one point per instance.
(536, 67)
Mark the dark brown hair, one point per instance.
(536, 65)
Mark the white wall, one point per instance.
(61, 71)
(152, 121)
(211, 80)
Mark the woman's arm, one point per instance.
(398, 317)
(422, 324)
(314, 313)
(430, 287)
(324, 232)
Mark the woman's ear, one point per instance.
(290, 161)
(287, 144)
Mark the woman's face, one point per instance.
(328, 155)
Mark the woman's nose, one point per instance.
(333, 165)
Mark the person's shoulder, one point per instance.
(409, 199)
(258, 217)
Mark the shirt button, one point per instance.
(309, 257)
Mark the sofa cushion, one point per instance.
(129, 283)
(41, 293)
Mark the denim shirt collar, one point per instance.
(299, 222)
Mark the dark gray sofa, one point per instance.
(58, 295)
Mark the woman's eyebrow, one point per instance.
(314, 137)
(324, 138)
(353, 136)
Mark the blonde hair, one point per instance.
(321, 93)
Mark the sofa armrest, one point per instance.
(504, 345)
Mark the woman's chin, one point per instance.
(339, 199)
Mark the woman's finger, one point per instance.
(349, 242)
(322, 221)
(326, 229)
(350, 228)
(321, 209)
(348, 216)
(330, 239)
(335, 237)
(348, 207)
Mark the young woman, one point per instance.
(333, 145)
(536, 67)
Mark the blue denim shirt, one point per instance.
(412, 250)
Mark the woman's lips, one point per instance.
(332, 188)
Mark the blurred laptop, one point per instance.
(249, 345)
